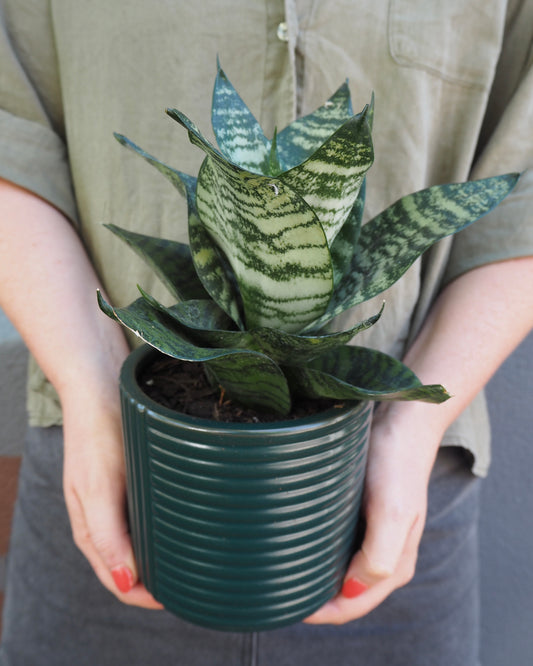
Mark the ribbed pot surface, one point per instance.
(241, 527)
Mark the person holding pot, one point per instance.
(453, 86)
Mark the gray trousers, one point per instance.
(57, 614)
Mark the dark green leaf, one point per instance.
(211, 269)
(171, 261)
(251, 378)
(358, 373)
(394, 239)
(345, 243)
(206, 323)
(183, 182)
(287, 348)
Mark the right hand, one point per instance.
(42, 257)
(94, 484)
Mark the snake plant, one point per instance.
(277, 250)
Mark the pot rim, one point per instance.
(141, 356)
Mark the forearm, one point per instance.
(477, 321)
(47, 288)
(475, 324)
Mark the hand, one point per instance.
(394, 505)
(52, 269)
(95, 490)
(406, 435)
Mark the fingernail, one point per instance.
(123, 578)
(353, 588)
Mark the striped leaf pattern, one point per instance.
(274, 243)
(277, 250)
(206, 323)
(394, 239)
(211, 269)
(329, 180)
(251, 378)
(358, 373)
(299, 140)
(343, 247)
(238, 134)
(287, 348)
(241, 138)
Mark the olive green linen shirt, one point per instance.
(453, 84)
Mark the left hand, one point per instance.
(464, 339)
(401, 456)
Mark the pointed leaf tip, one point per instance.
(237, 131)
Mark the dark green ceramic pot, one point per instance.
(241, 527)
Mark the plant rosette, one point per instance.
(277, 250)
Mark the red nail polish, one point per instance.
(123, 578)
(353, 588)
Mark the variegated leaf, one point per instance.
(238, 134)
(330, 179)
(305, 135)
(205, 322)
(272, 239)
(274, 243)
(358, 373)
(287, 348)
(210, 268)
(195, 136)
(394, 239)
(251, 378)
(171, 261)
(343, 247)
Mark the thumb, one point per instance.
(381, 557)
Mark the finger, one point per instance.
(95, 490)
(357, 599)
(99, 525)
(380, 555)
(137, 595)
(108, 531)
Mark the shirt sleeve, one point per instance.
(506, 145)
(33, 153)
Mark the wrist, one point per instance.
(92, 374)
(417, 425)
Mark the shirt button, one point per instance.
(283, 32)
